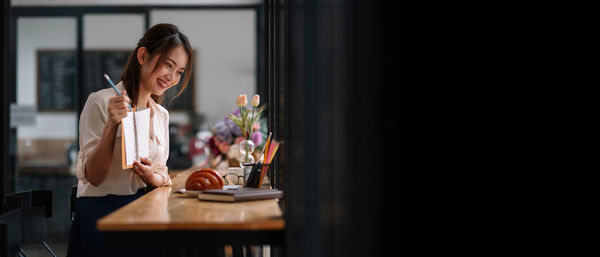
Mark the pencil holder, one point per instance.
(246, 170)
(255, 175)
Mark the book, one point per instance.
(240, 194)
(135, 139)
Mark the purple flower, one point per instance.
(233, 128)
(223, 132)
(256, 138)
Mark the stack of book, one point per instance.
(240, 194)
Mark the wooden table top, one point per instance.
(163, 209)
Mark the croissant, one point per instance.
(204, 179)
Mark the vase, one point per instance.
(246, 150)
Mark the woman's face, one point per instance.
(167, 73)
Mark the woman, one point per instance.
(158, 63)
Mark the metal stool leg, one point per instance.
(48, 248)
(21, 253)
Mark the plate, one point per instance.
(226, 187)
(194, 193)
(191, 193)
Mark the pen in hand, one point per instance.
(115, 88)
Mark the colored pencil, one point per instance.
(265, 168)
(265, 147)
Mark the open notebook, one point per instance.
(130, 130)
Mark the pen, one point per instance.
(137, 153)
(115, 88)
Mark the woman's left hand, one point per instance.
(143, 168)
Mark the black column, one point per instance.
(4, 102)
(333, 130)
(9, 135)
(80, 71)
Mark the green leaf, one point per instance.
(259, 112)
(236, 120)
(244, 113)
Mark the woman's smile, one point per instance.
(164, 85)
(164, 73)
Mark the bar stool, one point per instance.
(10, 234)
(33, 208)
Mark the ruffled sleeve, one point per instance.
(162, 137)
(162, 170)
(165, 173)
(91, 125)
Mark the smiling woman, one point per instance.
(158, 62)
(155, 66)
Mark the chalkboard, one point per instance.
(57, 77)
(57, 80)
(96, 64)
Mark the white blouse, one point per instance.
(118, 181)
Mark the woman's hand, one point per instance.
(144, 168)
(117, 108)
(145, 171)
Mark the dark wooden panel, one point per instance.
(57, 80)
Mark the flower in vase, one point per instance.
(241, 101)
(257, 137)
(246, 120)
(234, 129)
(226, 135)
(223, 131)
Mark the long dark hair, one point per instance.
(159, 39)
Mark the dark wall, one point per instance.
(496, 149)
(333, 189)
(505, 104)
(4, 101)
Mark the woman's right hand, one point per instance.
(117, 108)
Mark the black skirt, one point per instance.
(87, 241)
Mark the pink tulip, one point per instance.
(255, 100)
(242, 100)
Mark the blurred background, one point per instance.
(62, 49)
(496, 150)
(317, 65)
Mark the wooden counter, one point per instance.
(161, 209)
(165, 217)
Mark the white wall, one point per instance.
(129, 2)
(60, 34)
(112, 31)
(225, 44)
(224, 41)
(43, 33)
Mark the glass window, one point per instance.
(43, 143)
